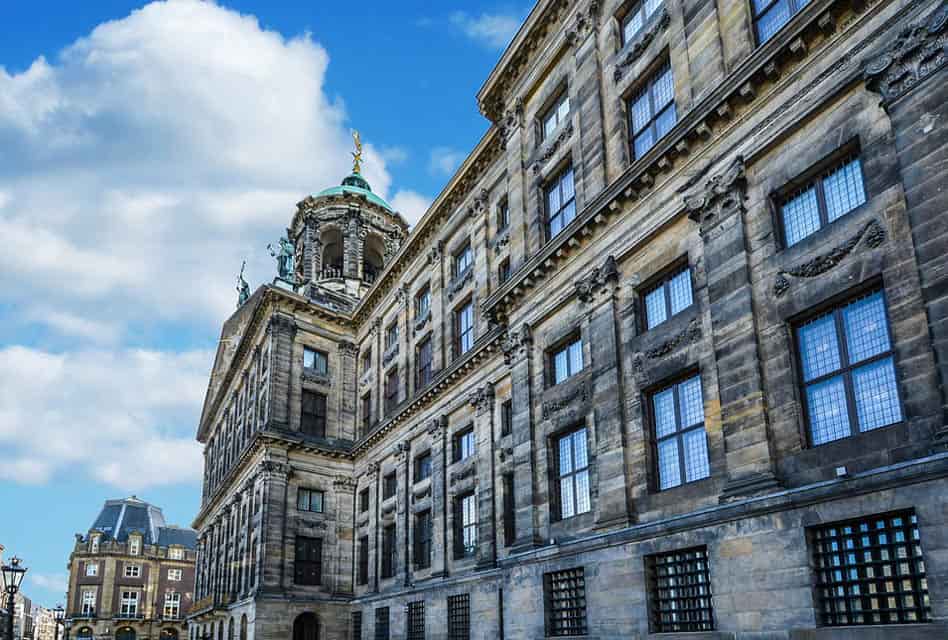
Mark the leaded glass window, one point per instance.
(823, 200)
(636, 18)
(567, 360)
(678, 414)
(652, 110)
(670, 296)
(555, 115)
(560, 202)
(771, 15)
(572, 473)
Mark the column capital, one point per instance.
(516, 343)
(720, 196)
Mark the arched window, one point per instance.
(168, 634)
(373, 253)
(306, 627)
(243, 627)
(125, 633)
(333, 248)
(230, 629)
(84, 633)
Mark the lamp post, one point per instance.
(12, 577)
(59, 615)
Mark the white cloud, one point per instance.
(58, 582)
(121, 416)
(411, 205)
(76, 325)
(444, 160)
(394, 155)
(493, 30)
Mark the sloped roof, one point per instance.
(123, 516)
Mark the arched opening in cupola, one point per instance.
(333, 251)
(373, 252)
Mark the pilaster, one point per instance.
(439, 520)
(483, 402)
(282, 333)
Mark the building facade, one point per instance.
(131, 576)
(667, 355)
(44, 624)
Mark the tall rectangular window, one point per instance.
(510, 514)
(463, 260)
(556, 115)
(422, 539)
(88, 602)
(652, 110)
(464, 328)
(389, 550)
(506, 417)
(415, 620)
(389, 485)
(309, 500)
(462, 445)
(128, 605)
(391, 336)
(572, 473)
(637, 17)
(566, 360)
(92, 569)
(503, 271)
(423, 466)
(391, 390)
(824, 199)
(870, 571)
(381, 624)
(679, 585)
(423, 358)
(668, 297)
(503, 215)
(134, 546)
(367, 361)
(309, 560)
(363, 500)
(356, 625)
(771, 15)
(560, 197)
(459, 617)
(313, 414)
(363, 577)
(172, 608)
(423, 302)
(565, 599)
(316, 361)
(465, 526)
(366, 412)
(678, 417)
(848, 370)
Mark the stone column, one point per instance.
(344, 549)
(347, 378)
(283, 332)
(719, 210)
(439, 519)
(274, 473)
(517, 346)
(483, 402)
(402, 511)
(371, 482)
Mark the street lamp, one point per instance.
(59, 615)
(12, 577)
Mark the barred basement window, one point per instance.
(822, 200)
(459, 617)
(356, 625)
(680, 591)
(381, 623)
(668, 297)
(681, 441)
(565, 594)
(848, 370)
(308, 565)
(870, 571)
(652, 111)
(415, 623)
(363, 577)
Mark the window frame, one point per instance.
(647, 86)
(679, 432)
(128, 603)
(87, 601)
(506, 417)
(415, 620)
(563, 346)
(552, 111)
(684, 582)
(389, 485)
(553, 604)
(424, 294)
(640, 8)
(421, 462)
(175, 575)
(313, 422)
(391, 390)
(309, 494)
(459, 267)
(92, 569)
(502, 216)
(132, 570)
(422, 539)
(555, 183)
(503, 271)
(362, 570)
(464, 529)
(459, 616)
(458, 440)
(509, 509)
(172, 600)
(794, 8)
(307, 571)
(383, 623)
(366, 360)
(364, 500)
(662, 280)
(462, 335)
(366, 411)
(391, 335)
(319, 357)
(176, 553)
(424, 362)
(558, 477)
(389, 552)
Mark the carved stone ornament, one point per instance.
(436, 428)
(372, 468)
(435, 252)
(917, 52)
(401, 294)
(310, 375)
(511, 121)
(458, 283)
(464, 472)
(314, 524)
(579, 395)
(515, 343)
(389, 355)
(871, 235)
(392, 244)
(401, 451)
(479, 204)
(689, 335)
(505, 453)
(421, 321)
(721, 195)
(501, 241)
(422, 493)
(344, 483)
(274, 466)
(599, 279)
(641, 43)
(347, 348)
(482, 399)
(552, 147)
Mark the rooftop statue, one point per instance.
(284, 258)
(357, 154)
(243, 289)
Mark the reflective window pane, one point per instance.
(867, 333)
(801, 216)
(819, 347)
(877, 399)
(829, 419)
(844, 189)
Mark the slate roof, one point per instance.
(120, 517)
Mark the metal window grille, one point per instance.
(680, 590)
(870, 571)
(829, 196)
(668, 297)
(560, 202)
(356, 625)
(681, 442)
(652, 110)
(459, 617)
(415, 622)
(565, 593)
(381, 624)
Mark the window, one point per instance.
(464, 328)
(366, 412)
(389, 485)
(134, 545)
(88, 603)
(174, 575)
(465, 526)
(309, 560)
(313, 414)
(679, 585)
(503, 215)
(503, 271)
(423, 466)
(415, 624)
(506, 417)
(566, 360)
(463, 444)
(391, 390)
(363, 501)
(849, 383)
(560, 200)
(555, 115)
(176, 553)
(381, 623)
(669, 296)
(678, 416)
(94, 545)
(366, 361)
(423, 359)
(572, 475)
(652, 110)
(636, 18)
(423, 302)
(172, 608)
(771, 15)
(463, 260)
(363, 577)
(510, 515)
(459, 617)
(388, 551)
(870, 571)
(822, 200)
(565, 594)
(356, 625)
(391, 336)
(422, 540)
(129, 604)
(316, 360)
(309, 500)
(92, 569)
(133, 571)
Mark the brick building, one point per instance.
(667, 354)
(131, 576)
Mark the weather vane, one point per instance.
(357, 154)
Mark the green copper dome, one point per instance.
(354, 183)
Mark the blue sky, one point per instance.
(145, 151)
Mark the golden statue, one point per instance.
(357, 154)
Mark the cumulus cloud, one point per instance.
(412, 205)
(120, 416)
(444, 160)
(493, 30)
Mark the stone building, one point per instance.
(131, 576)
(667, 355)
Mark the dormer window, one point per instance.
(316, 361)
(555, 115)
(134, 545)
(94, 544)
(175, 553)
